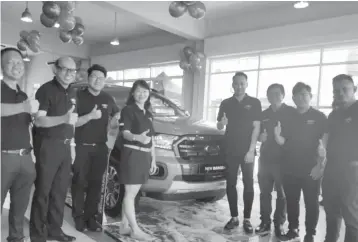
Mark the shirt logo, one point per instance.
(248, 107)
(105, 106)
(348, 120)
(310, 122)
(266, 120)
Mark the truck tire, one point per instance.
(212, 199)
(115, 193)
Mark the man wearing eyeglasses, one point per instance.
(95, 108)
(56, 119)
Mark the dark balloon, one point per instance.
(67, 21)
(67, 6)
(197, 10)
(78, 40)
(177, 9)
(47, 22)
(21, 45)
(194, 60)
(189, 2)
(78, 20)
(65, 36)
(51, 9)
(79, 30)
(184, 65)
(201, 55)
(188, 51)
(24, 34)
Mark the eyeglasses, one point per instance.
(67, 70)
(97, 78)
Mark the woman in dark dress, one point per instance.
(137, 156)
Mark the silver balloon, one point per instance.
(65, 36)
(67, 21)
(201, 55)
(24, 34)
(194, 60)
(177, 9)
(46, 21)
(189, 2)
(188, 51)
(184, 65)
(51, 9)
(79, 30)
(21, 45)
(78, 20)
(197, 10)
(67, 6)
(78, 40)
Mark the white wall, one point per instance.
(295, 35)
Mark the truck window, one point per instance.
(161, 108)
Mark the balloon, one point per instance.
(78, 30)
(46, 21)
(189, 2)
(65, 36)
(35, 34)
(197, 10)
(198, 67)
(201, 55)
(188, 51)
(184, 65)
(51, 9)
(34, 46)
(67, 21)
(78, 20)
(22, 45)
(67, 6)
(78, 40)
(194, 60)
(177, 9)
(24, 34)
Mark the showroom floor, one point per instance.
(180, 221)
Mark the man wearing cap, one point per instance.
(56, 118)
(95, 108)
(340, 181)
(301, 147)
(241, 115)
(17, 167)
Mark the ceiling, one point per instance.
(136, 19)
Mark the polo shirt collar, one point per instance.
(283, 105)
(4, 84)
(58, 85)
(243, 100)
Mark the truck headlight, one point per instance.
(164, 141)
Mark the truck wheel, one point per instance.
(115, 193)
(212, 199)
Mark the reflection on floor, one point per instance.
(188, 221)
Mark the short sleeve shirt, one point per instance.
(240, 115)
(95, 131)
(15, 132)
(342, 147)
(137, 121)
(301, 141)
(271, 152)
(56, 101)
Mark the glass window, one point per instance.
(128, 83)
(221, 86)
(290, 59)
(169, 70)
(288, 78)
(328, 72)
(161, 108)
(236, 64)
(136, 73)
(334, 55)
(115, 75)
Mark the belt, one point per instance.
(20, 152)
(92, 144)
(138, 148)
(64, 141)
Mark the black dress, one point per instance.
(136, 157)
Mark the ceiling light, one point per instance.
(301, 4)
(57, 25)
(26, 15)
(115, 41)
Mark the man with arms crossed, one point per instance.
(241, 115)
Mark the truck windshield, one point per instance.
(163, 107)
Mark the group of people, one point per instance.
(70, 128)
(300, 148)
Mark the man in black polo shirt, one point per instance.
(241, 115)
(56, 118)
(94, 108)
(270, 160)
(17, 168)
(340, 182)
(301, 142)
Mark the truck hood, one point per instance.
(183, 126)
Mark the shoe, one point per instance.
(263, 229)
(291, 234)
(93, 226)
(279, 231)
(62, 237)
(233, 223)
(308, 238)
(248, 227)
(79, 224)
